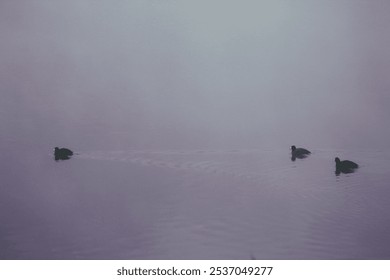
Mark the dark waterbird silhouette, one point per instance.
(62, 153)
(298, 153)
(345, 166)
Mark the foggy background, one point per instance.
(191, 74)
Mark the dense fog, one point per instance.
(195, 74)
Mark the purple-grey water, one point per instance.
(181, 116)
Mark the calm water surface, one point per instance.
(194, 204)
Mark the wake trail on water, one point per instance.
(252, 165)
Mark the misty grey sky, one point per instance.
(181, 74)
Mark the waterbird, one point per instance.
(298, 153)
(62, 153)
(345, 166)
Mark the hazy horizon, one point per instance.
(170, 74)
